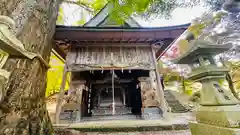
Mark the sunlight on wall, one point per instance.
(54, 75)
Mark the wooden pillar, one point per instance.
(124, 96)
(80, 96)
(113, 95)
(149, 98)
(89, 98)
(61, 95)
(159, 85)
(99, 97)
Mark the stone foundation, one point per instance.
(151, 113)
(224, 116)
(206, 129)
(217, 120)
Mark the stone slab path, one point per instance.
(173, 132)
(170, 118)
(170, 122)
(183, 132)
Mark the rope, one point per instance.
(11, 45)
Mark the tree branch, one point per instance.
(81, 4)
(236, 81)
(234, 72)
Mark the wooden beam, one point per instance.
(159, 85)
(61, 95)
(58, 56)
(76, 68)
(111, 44)
(108, 85)
(118, 81)
(59, 51)
(78, 82)
(167, 44)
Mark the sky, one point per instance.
(179, 16)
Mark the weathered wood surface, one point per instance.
(107, 57)
(148, 93)
(156, 76)
(75, 93)
(61, 94)
(23, 108)
(73, 100)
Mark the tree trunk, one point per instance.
(183, 85)
(231, 85)
(229, 80)
(23, 110)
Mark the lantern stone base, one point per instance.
(217, 120)
(225, 116)
(206, 129)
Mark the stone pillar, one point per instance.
(222, 109)
(150, 103)
(219, 111)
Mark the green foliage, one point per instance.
(160, 64)
(60, 19)
(97, 5)
(54, 76)
(163, 8)
(123, 9)
(195, 97)
(86, 4)
(235, 75)
(202, 23)
(79, 22)
(189, 87)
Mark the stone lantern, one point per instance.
(219, 111)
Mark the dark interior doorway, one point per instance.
(135, 97)
(128, 79)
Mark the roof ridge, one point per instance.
(96, 20)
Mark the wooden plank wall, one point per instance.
(105, 56)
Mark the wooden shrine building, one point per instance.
(114, 73)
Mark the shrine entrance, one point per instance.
(114, 94)
(113, 82)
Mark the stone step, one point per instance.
(173, 103)
(178, 107)
(108, 111)
(111, 117)
(60, 131)
(127, 125)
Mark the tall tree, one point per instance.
(22, 110)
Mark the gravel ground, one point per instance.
(172, 132)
